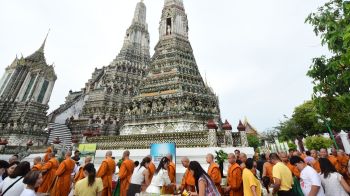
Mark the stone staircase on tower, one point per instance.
(61, 131)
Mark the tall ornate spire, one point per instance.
(39, 54)
(174, 20)
(136, 41)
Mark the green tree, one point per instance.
(253, 141)
(331, 75)
(292, 146)
(318, 142)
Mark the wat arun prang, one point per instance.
(158, 99)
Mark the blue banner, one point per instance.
(158, 151)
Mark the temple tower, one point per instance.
(25, 91)
(173, 97)
(111, 87)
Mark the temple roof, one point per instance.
(38, 56)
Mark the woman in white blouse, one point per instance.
(160, 177)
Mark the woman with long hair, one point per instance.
(33, 180)
(140, 176)
(160, 177)
(332, 181)
(13, 184)
(204, 185)
(251, 184)
(90, 185)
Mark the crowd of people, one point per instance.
(285, 174)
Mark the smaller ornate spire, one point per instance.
(41, 49)
(226, 126)
(211, 124)
(240, 126)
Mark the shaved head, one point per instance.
(68, 153)
(243, 157)
(37, 160)
(109, 153)
(169, 156)
(231, 158)
(126, 154)
(284, 156)
(185, 162)
(88, 159)
(210, 158)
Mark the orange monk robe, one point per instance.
(151, 169)
(105, 172)
(49, 174)
(234, 180)
(63, 184)
(294, 170)
(343, 162)
(125, 173)
(79, 175)
(46, 156)
(316, 165)
(268, 167)
(188, 182)
(37, 167)
(334, 162)
(215, 175)
(172, 175)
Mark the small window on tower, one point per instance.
(168, 26)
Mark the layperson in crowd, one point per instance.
(13, 158)
(4, 165)
(204, 185)
(33, 180)
(234, 177)
(214, 172)
(81, 174)
(90, 185)
(13, 184)
(106, 172)
(63, 174)
(310, 181)
(49, 173)
(160, 177)
(37, 165)
(188, 181)
(282, 177)
(172, 176)
(76, 156)
(332, 181)
(139, 177)
(251, 184)
(125, 173)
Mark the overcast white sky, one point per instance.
(255, 54)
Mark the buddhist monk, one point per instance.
(49, 173)
(234, 177)
(284, 158)
(214, 172)
(46, 156)
(188, 181)
(37, 164)
(170, 189)
(125, 173)
(332, 158)
(343, 160)
(315, 163)
(80, 174)
(64, 171)
(267, 168)
(243, 159)
(106, 172)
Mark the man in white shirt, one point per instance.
(310, 181)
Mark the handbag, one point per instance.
(8, 188)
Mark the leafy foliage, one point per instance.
(331, 76)
(318, 142)
(221, 156)
(292, 146)
(253, 141)
(304, 122)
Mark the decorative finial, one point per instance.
(43, 45)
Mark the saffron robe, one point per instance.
(49, 174)
(37, 167)
(188, 182)
(46, 156)
(63, 184)
(151, 169)
(215, 175)
(294, 170)
(105, 172)
(125, 173)
(343, 164)
(234, 180)
(334, 162)
(79, 175)
(316, 165)
(172, 174)
(268, 170)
